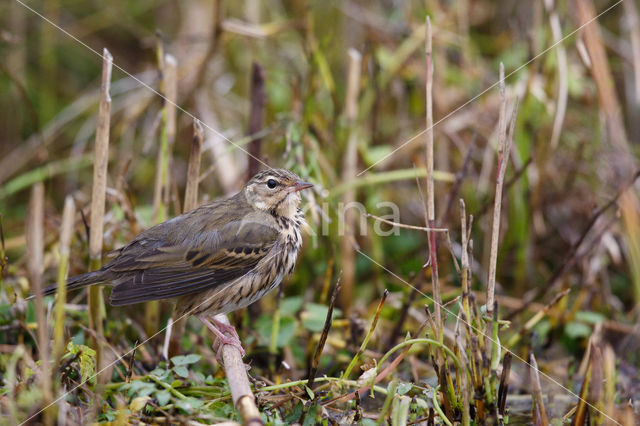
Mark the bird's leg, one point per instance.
(221, 338)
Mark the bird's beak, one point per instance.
(299, 186)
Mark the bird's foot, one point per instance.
(219, 329)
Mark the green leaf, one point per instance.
(294, 415)
(140, 388)
(87, 360)
(290, 306)
(315, 316)
(285, 333)
(309, 392)
(189, 404)
(185, 359)
(160, 373)
(312, 415)
(577, 329)
(181, 371)
(138, 403)
(403, 388)
(590, 317)
(163, 397)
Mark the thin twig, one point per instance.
(402, 225)
(323, 337)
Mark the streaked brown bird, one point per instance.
(217, 258)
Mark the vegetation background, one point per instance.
(329, 89)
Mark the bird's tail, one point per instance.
(75, 283)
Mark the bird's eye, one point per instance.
(271, 183)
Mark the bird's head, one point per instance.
(275, 190)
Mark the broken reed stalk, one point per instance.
(431, 215)
(563, 78)
(539, 412)
(98, 195)
(236, 373)
(313, 370)
(350, 169)
(66, 233)
(256, 117)
(464, 260)
(35, 250)
(504, 385)
(193, 169)
(497, 202)
(175, 328)
(169, 89)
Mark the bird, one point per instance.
(214, 259)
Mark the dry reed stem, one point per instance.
(193, 169)
(66, 233)
(497, 203)
(169, 87)
(35, 250)
(464, 260)
(431, 215)
(256, 117)
(236, 373)
(563, 78)
(633, 22)
(98, 195)
(539, 412)
(350, 169)
(601, 73)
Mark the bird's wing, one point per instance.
(151, 270)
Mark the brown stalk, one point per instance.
(601, 73)
(256, 117)
(464, 260)
(350, 169)
(66, 233)
(503, 159)
(169, 87)
(98, 194)
(539, 412)
(563, 79)
(596, 389)
(633, 22)
(323, 337)
(504, 383)
(431, 216)
(609, 379)
(193, 169)
(175, 328)
(35, 250)
(236, 373)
